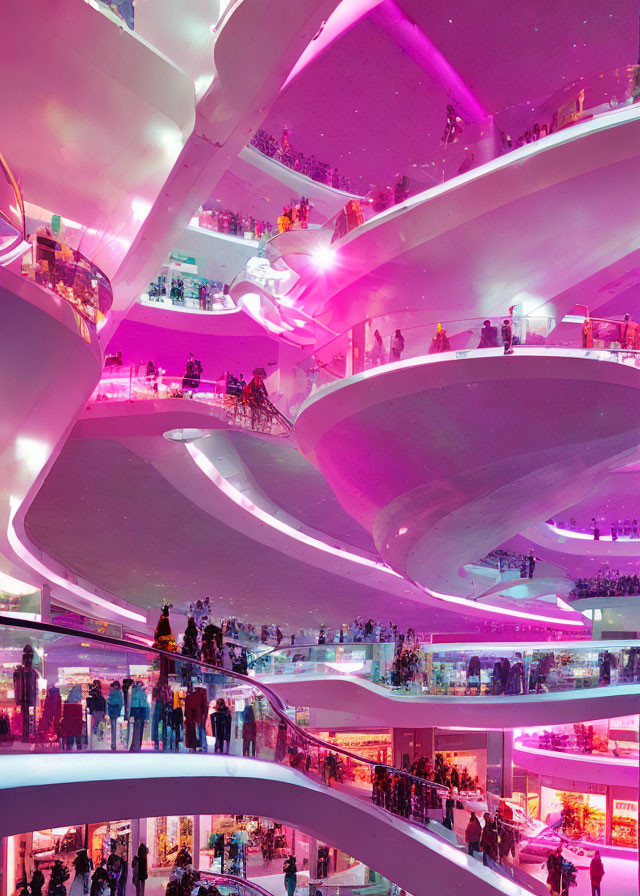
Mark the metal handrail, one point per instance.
(275, 702)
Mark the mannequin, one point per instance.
(25, 684)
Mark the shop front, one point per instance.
(599, 814)
(166, 836)
(374, 744)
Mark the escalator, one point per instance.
(266, 764)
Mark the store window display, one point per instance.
(580, 816)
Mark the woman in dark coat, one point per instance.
(221, 726)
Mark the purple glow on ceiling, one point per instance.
(424, 52)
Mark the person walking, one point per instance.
(290, 875)
(554, 871)
(473, 834)
(82, 880)
(596, 872)
(139, 869)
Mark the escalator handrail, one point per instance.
(275, 702)
(254, 658)
(220, 878)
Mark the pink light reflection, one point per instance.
(31, 560)
(209, 470)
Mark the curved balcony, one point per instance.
(555, 754)
(450, 684)
(54, 666)
(464, 148)
(233, 411)
(432, 246)
(68, 273)
(430, 413)
(402, 335)
(12, 226)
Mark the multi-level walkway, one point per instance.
(461, 684)
(286, 778)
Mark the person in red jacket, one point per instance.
(473, 834)
(596, 872)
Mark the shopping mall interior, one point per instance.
(319, 442)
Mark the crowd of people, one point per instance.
(282, 152)
(367, 631)
(582, 739)
(599, 527)
(190, 292)
(107, 878)
(607, 583)
(252, 398)
(235, 223)
(503, 560)
(295, 216)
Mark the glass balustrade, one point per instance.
(68, 691)
(398, 336)
(62, 690)
(435, 670)
(67, 272)
(281, 151)
(464, 147)
(12, 227)
(237, 411)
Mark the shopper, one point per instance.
(114, 870)
(37, 880)
(139, 869)
(596, 872)
(290, 875)
(377, 352)
(82, 880)
(192, 374)
(139, 714)
(99, 880)
(115, 705)
(554, 871)
(397, 346)
(221, 726)
(473, 834)
(249, 729)
(507, 336)
(489, 838)
(59, 875)
(488, 335)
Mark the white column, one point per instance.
(196, 841)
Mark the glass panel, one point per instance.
(67, 691)
(237, 406)
(464, 147)
(12, 229)
(70, 274)
(464, 670)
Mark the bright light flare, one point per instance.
(324, 258)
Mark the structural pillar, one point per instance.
(196, 841)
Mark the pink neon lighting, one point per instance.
(242, 501)
(346, 15)
(25, 554)
(415, 43)
(585, 536)
(424, 53)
